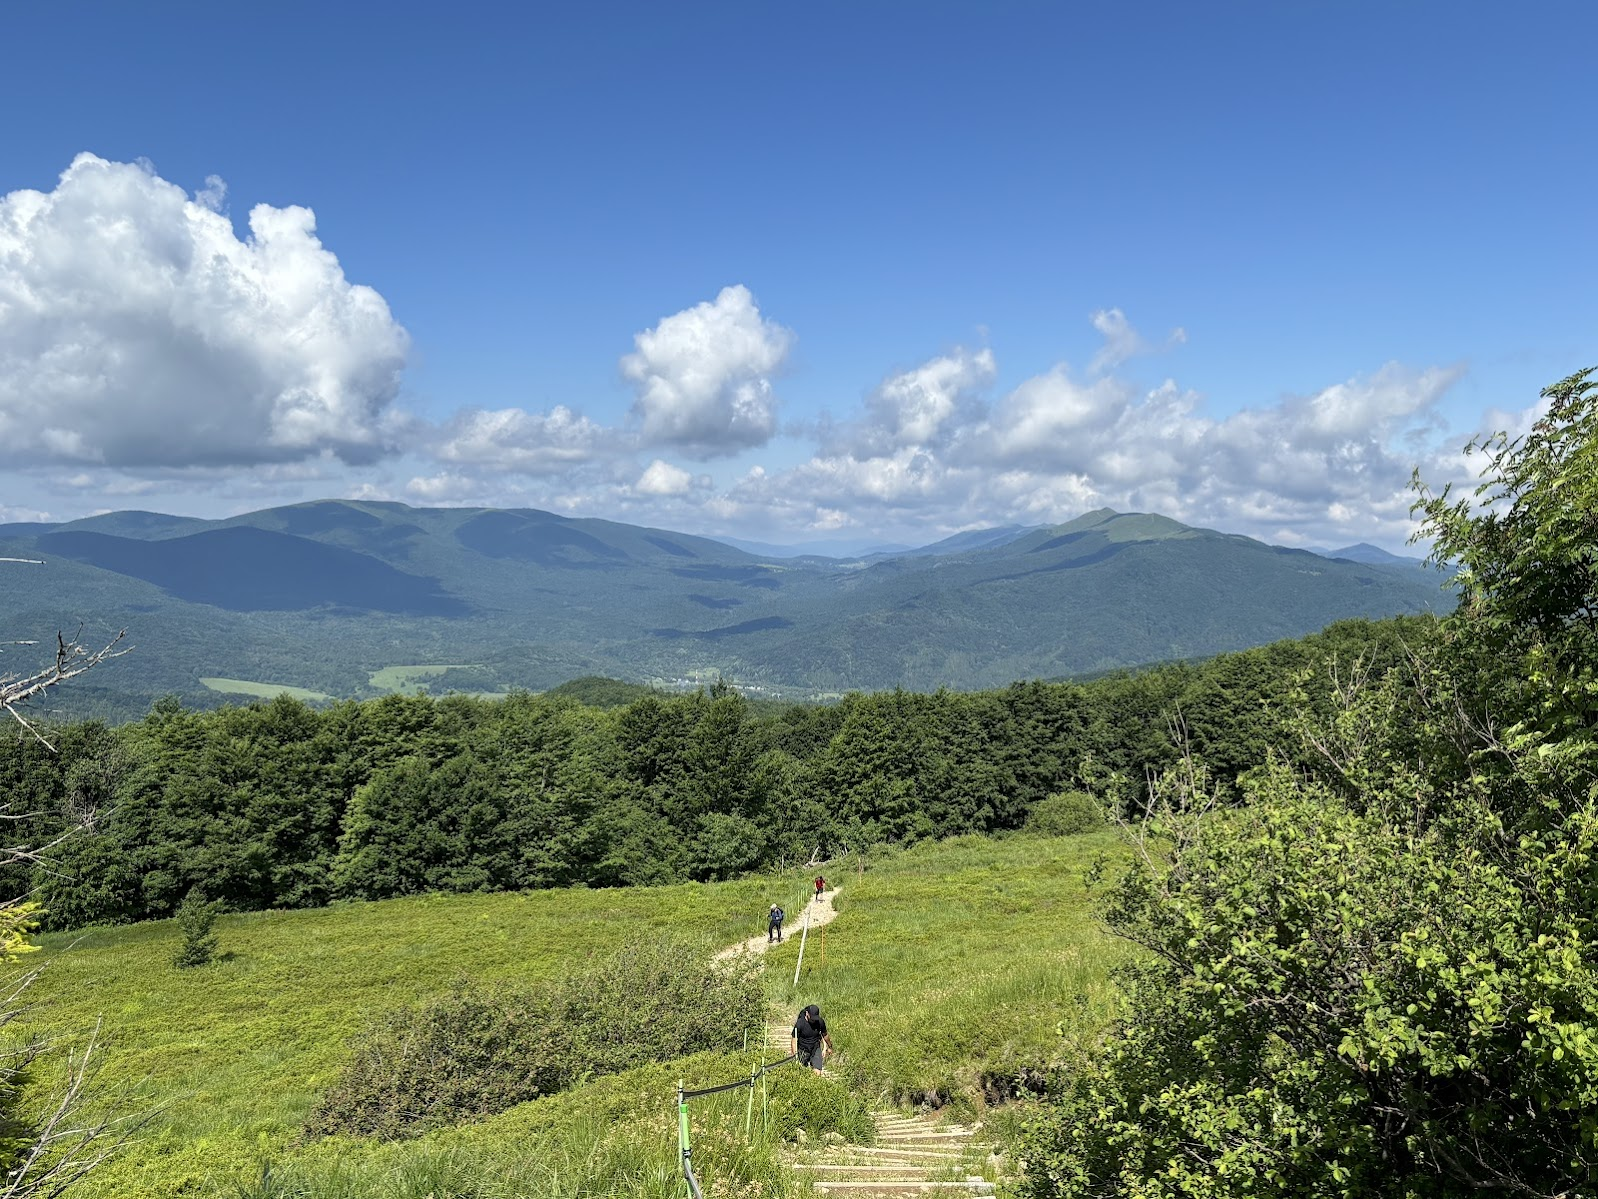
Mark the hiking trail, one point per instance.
(913, 1155)
(819, 910)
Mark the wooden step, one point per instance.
(909, 1186)
(897, 1169)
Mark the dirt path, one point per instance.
(820, 911)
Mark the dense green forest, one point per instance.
(282, 805)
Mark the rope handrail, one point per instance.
(753, 1078)
(685, 1150)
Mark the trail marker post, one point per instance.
(803, 933)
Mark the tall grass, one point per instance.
(616, 1137)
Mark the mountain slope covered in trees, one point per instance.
(325, 595)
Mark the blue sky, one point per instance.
(866, 271)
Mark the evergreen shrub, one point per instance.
(196, 920)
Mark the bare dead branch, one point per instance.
(66, 1146)
(72, 659)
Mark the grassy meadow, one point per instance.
(949, 964)
(410, 678)
(260, 690)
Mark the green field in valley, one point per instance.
(260, 690)
(411, 678)
(949, 966)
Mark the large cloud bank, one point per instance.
(940, 447)
(1337, 463)
(138, 330)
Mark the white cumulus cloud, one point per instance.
(662, 478)
(138, 330)
(924, 452)
(703, 376)
(918, 406)
(1122, 341)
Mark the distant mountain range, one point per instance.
(814, 549)
(1370, 555)
(344, 598)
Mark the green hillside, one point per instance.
(236, 1053)
(329, 596)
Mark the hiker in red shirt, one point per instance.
(821, 885)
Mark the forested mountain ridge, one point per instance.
(322, 596)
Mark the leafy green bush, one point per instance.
(477, 1051)
(1065, 814)
(1380, 981)
(655, 1000)
(468, 1054)
(818, 1104)
(196, 920)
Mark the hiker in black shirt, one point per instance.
(809, 1039)
(774, 925)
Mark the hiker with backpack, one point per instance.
(809, 1040)
(774, 925)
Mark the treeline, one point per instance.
(281, 805)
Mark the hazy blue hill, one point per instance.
(974, 539)
(133, 523)
(545, 542)
(845, 549)
(1102, 592)
(253, 570)
(326, 595)
(1371, 555)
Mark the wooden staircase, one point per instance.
(917, 1155)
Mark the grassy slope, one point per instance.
(941, 957)
(955, 960)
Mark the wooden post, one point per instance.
(803, 933)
